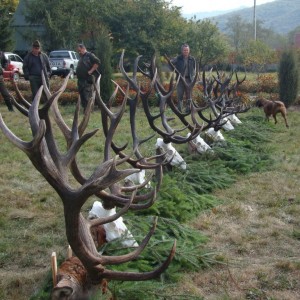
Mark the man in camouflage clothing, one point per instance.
(3, 90)
(87, 68)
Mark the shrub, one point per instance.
(288, 78)
(267, 83)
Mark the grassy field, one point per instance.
(235, 215)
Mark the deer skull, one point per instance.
(171, 154)
(200, 145)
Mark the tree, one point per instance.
(288, 78)
(56, 16)
(103, 50)
(145, 27)
(238, 31)
(207, 43)
(241, 32)
(140, 27)
(256, 55)
(7, 8)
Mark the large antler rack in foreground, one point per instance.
(168, 134)
(54, 165)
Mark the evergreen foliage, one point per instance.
(5, 31)
(104, 52)
(288, 78)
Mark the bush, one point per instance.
(288, 78)
(267, 83)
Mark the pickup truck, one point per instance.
(63, 62)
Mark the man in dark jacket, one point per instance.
(34, 63)
(186, 66)
(87, 67)
(3, 90)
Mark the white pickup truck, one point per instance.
(63, 62)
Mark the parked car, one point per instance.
(14, 69)
(63, 62)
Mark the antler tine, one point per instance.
(104, 220)
(20, 108)
(33, 112)
(136, 142)
(171, 64)
(113, 260)
(164, 99)
(127, 189)
(20, 96)
(86, 116)
(109, 131)
(57, 115)
(237, 83)
(132, 112)
(189, 86)
(140, 162)
(135, 67)
(141, 276)
(46, 89)
(133, 82)
(152, 70)
(24, 146)
(76, 144)
(237, 79)
(207, 84)
(119, 199)
(223, 85)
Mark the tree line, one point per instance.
(147, 28)
(141, 27)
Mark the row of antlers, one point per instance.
(62, 170)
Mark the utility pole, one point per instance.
(254, 20)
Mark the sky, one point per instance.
(194, 6)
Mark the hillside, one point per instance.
(282, 16)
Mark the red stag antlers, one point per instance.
(61, 168)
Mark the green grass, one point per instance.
(32, 224)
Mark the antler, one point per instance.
(167, 133)
(54, 165)
(216, 94)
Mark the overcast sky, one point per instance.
(194, 6)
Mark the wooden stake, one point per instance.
(69, 252)
(54, 268)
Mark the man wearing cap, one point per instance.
(34, 63)
(3, 90)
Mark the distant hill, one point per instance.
(282, 16)
(210, 14)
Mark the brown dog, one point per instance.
(271, 108)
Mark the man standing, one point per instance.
(36, 62)
(86, 68)
(186, 66)
(3, 90)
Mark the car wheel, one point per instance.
(71, 73)
(16, 77)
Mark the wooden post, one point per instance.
(54, 268)
(69, 252)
